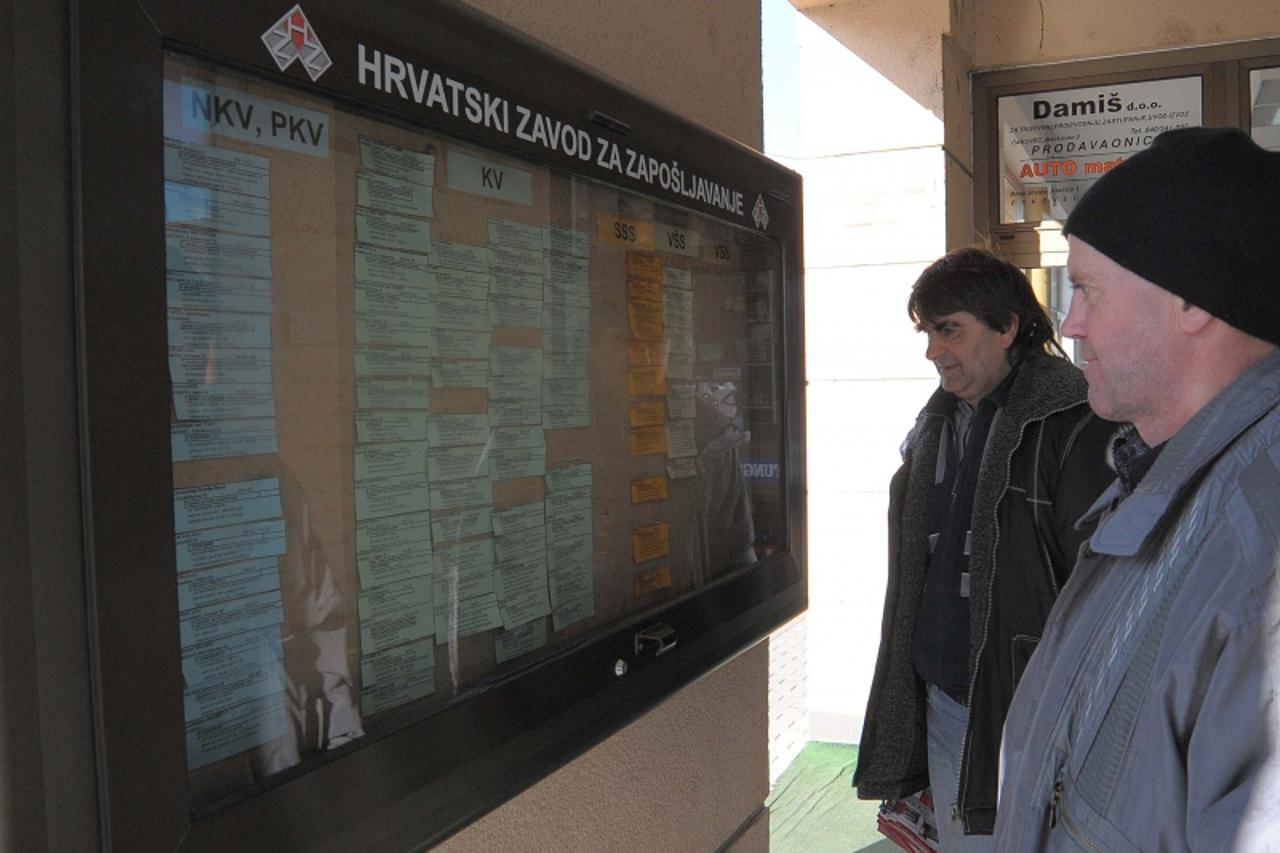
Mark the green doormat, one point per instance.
(812, 808)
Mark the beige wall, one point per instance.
(690, 773)
(683, 778)
(899, 39)
(1015, 32)
(700, 59)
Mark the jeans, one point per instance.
(946, 722)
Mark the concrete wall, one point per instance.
(1014, 32)
(701, 60)
(689, 774)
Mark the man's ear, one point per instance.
(1007, 336)
(1192, 318)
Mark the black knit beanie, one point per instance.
(1197, 213)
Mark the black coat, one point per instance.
(1045, 464)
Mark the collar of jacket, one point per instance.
(1127, 522)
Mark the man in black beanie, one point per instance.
(1149, 716)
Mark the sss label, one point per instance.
(624, 231)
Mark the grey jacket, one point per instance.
(1148, 718)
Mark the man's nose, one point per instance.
(1073, 323)
(933, 347)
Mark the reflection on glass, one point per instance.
(1264, 101)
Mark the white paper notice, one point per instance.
(522, 592)
(395, 613)
(520, 641)
(397, 676)
(200, 549)
(383, 192)
(384, 158)
(235, 730)
(222, 211)
(217, 168)
(227, 582)
(221, 439)
(217, 252)
(254, 612)
(226, 503)
(468, 616)
(218, 293)
(464, 571)
(246, 674)
(393, 548)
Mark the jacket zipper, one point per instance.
(986, 622)
(1056, 810)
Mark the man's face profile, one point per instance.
(970, 356)
(1126, 329)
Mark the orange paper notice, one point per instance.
(647, 381)
(647, 352)
(651, 542)
(652, 581)
(652, 413)
(645, 319)
(650, 439)
(649, 489)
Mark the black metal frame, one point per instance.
(419, 784)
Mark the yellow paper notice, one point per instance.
(650, 439)
(649, 489)
(651, 542)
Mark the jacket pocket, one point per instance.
(1076, 827)
(1022, 645)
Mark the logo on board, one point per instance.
(292, 38)
(760, 214)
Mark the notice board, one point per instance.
(437, 412)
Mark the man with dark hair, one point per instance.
(1150, 715)
(1004, 458)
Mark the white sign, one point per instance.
(250, 118)
(1264, 103)
(1054, 145)
(489, 178)
(677, 241)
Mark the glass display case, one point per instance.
(444, 412)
